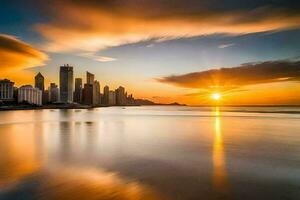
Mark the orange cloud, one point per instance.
(94, 26)
(16, 55)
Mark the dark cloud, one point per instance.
(231, 78)
(94, 25)
(176, 7)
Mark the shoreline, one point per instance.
(62, 107)
(72, 106)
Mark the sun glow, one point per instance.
(216, 96)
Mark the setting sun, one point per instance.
(216, 96)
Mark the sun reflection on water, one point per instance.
(220, 180)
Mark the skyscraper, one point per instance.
(88, 97)
(96, 93)
(90, 78)
(39, 81)
(88, 94)
(53, 93)
(120, 96)
(66, 83)
(78, 90)
(105, 95)
(111, 98)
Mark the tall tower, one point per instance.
(78, 90)
(39, 81)
(96, 93)
(53, 93)
(105, 95)
(120, 96)
(66, 83)
(88, 91)
(90, 78)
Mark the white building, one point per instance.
(6, 90)
(30, 94)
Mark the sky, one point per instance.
(164, 50)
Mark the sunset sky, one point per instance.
(162, 50)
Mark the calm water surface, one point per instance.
(134, 153)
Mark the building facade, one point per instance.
(120, 96)
(111, 98)
(96, 93)
(88, 90)
(53, 93)
(66, 84)
(78, 90)
(105, 95)
(29, 94)
(88, 94)
(90, 78)
(6, 90)
(39, 81)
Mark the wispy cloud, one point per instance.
(150, 45)
(222, 46)
(231, 78)
(93, 56)
(105, 59)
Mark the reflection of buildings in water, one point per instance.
(66, 133)
(41, 152)
(220, 181)
(90, 132)
(120, 139)
(65, 137)
(18, 152)
(113, 133)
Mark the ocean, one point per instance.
(151, 152)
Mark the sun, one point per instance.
(216, 96)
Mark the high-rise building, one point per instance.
(30, 95)
(88, 90)
(96, 93)
(105, 95)
(120, 96)
(78, 90)
(90, 78)
(39, 81)
(88, 94)
(45, 97)
(53, 93)
(66, 84)
(6, 90)
(111, 98)
(91, 91)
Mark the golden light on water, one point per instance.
(219, 170)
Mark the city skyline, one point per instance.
(70, 90)
(148, 48)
